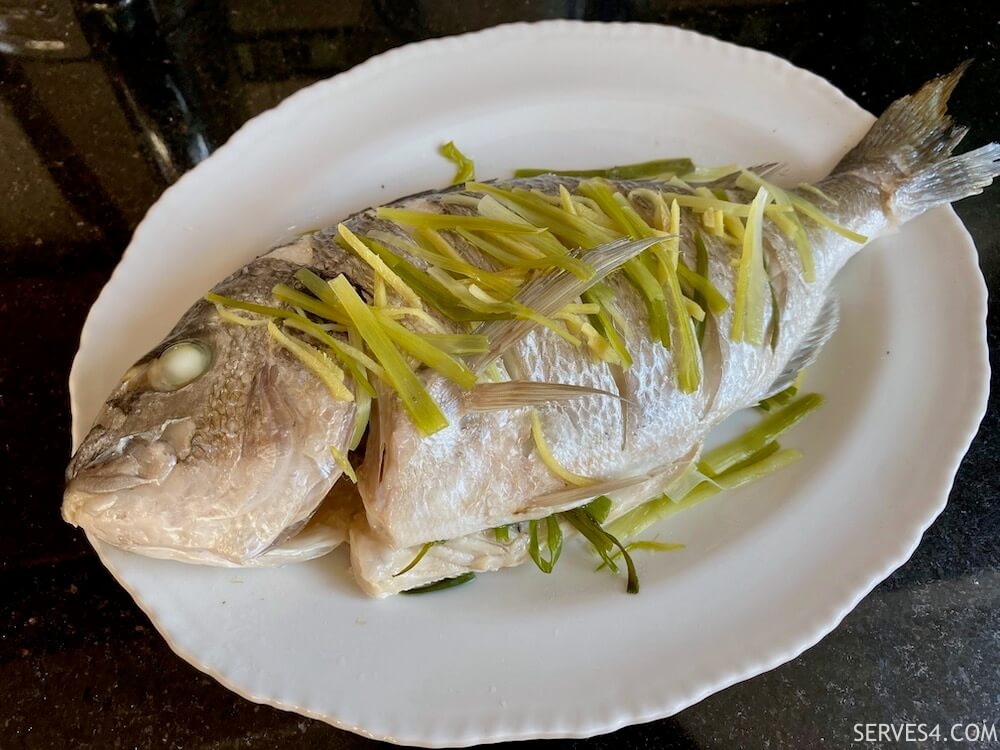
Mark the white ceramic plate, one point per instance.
(767, 571)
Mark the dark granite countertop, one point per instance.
(104, 104)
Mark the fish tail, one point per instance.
(908, 152)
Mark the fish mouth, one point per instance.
(116, 503)
(96, 485)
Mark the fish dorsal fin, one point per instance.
(549, 292)
(826, 323)
(517, 393)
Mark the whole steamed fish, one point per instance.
(516, 357)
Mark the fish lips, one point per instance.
(93, 486)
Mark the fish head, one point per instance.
(214, 447)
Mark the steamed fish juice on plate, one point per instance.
(474, 376)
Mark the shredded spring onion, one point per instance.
(458, 343)
(748, 307)
(419, 556)
(599, 508)
(295, 298)
(553, 542)
(710, 174)
(603, 541)
(807, 188)
(758, 469)
(770, 428)
(465, 168)
(639, 519)
(665, 301)
(575, 231)
(752, 456)
(782, 398)
(790, 225)
(708, 296)
(430, 289)
(236, 304)
(643, 544)
(364, 401)
(420, 348)
(230, 317)
(805, 207)
(447, 583)
(362, 414)
(353, 359)
(344, 464)
(637, 171)
(452, 221)
(426, 414)
(637, 269)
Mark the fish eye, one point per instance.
(179, 364)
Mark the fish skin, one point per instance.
(481, 471)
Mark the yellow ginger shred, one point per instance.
(545, 453)
(316, 361)
(344, 464)
(379, 267)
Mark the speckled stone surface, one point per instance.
(102, 105)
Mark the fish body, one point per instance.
(653, 433)
(227, 468)
(652, 429)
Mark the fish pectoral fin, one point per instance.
(549, 292)
(517, 393)
(572, 497)
(824, 327)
